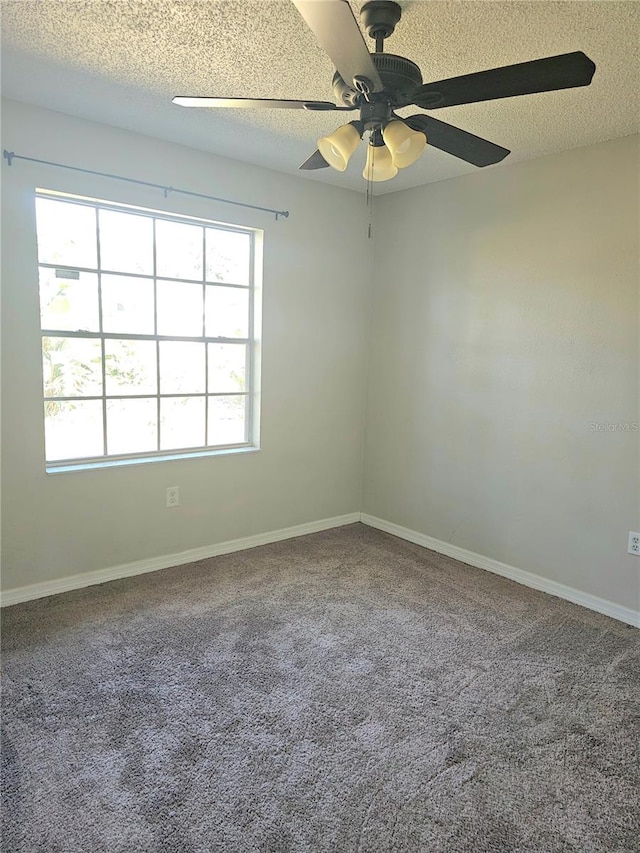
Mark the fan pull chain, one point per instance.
(370, 196)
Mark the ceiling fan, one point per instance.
(377, 84)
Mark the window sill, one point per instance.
(146, 460)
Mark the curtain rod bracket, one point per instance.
(8, 156)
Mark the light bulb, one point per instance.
(405, 144)
(379, 165)
(338, 148)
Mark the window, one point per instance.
(147, 332)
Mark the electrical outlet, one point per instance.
(634, 543)
(173, 496)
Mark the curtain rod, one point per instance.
(9, 156)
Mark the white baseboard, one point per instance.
(40, 590)
(592, 602)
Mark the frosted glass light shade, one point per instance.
(405, 144)
(338, 148)
(379, 165)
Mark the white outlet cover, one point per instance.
(634, 543)
(173, 496)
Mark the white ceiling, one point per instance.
(120, 61)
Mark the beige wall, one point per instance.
(505, 324)
(313, 363)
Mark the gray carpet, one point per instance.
(345, 691)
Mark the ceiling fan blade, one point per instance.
(541, 75)
(316, 161)
(337, 30)
(465, 146)
(269, 103)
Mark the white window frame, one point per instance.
(252, 371)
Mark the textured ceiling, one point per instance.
(121, 62)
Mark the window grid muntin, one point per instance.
(95, 270)
(103, 361)
(122, 207)
(206, 347)
(145, 396)
(206, 340)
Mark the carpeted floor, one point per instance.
(345, 691)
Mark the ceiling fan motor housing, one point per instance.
(399, 78)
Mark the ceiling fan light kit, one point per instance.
(402, 145)
(406, 145)
(338, 148)
(379, 83)
(379, 165)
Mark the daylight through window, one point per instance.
(147, 332)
